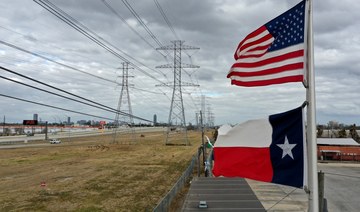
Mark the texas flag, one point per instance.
(270, 150)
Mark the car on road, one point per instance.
(55, 141)
(29, 134)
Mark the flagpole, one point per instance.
(311, 116)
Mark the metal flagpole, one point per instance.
(311, 115)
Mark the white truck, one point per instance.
(55, 141)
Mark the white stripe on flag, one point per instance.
(253, 133)
(272, 54)
(270, 76)
(266, 42)
(272, 65)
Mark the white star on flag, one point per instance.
(286, 147)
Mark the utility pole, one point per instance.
(46, 131)
(124, 105)
(3, 132)
(176, 121)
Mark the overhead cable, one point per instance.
(55, 107)
(127, 24)
(166, 19)
(54, 61)
(53, 87)
(53, 9)
(142, 23)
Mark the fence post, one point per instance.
(165, 202)
(321, 190)
(198, 161)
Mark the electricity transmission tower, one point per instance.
(203, 108)
(176, 121)
(210, 117)
(124, 122)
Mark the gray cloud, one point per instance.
(214, 26)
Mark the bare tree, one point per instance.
(354, 134)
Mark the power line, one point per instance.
(28, 37)
(148, 91)
(42, 83)
(142, 23)
(171, 28)
(35, 40)
(53, 9)
(153, 100)
(55, 107)
(193, 101)
(166, 19)
(127, 24)
(132, 29)
(55, 94)
(53, 61)
(67, 66)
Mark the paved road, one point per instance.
(74, 133)
(342, 190)
(342, 186)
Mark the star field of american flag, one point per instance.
(288, 28)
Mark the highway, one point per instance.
(18, 139)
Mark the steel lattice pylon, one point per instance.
(124, 123)
(176, 121)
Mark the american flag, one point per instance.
(274, 53)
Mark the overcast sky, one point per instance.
(215, 26)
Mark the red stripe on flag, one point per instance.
(279, 69)
(256, 42)
(297, 78)
(275, 59)
(249, 36)
(248, 162)
(254, 54)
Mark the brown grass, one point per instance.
(90, 174)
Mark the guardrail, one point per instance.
(166, 201)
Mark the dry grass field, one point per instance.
(90, 174)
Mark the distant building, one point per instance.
(155, 119)
(82, 122)
(340, 149)
(35, 116)
(68, 120)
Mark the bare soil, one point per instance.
(92, 174)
